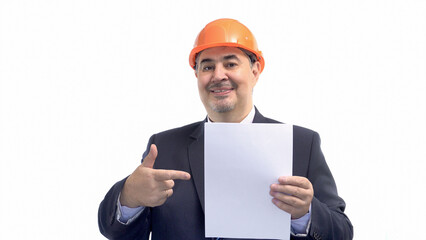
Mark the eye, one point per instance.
(230, 65)
(207, 68)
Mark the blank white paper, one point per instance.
(241, 162)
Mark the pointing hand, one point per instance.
(150, 187)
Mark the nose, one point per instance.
(219, 74)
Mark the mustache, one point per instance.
(228, 83)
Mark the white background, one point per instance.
(84, 83)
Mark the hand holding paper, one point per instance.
(293, 194)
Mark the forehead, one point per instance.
(220, 52)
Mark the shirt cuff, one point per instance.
(300, 226)
(126, 215)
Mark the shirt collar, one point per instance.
(248, 119)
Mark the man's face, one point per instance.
(226, 80)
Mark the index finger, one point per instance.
(301, 182)
(163, 175)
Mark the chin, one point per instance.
(222, 108)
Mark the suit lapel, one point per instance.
(258, 118)
(196, 160)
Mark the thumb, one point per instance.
(149, 160)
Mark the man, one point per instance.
(165, 194)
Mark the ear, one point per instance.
(256, 71)
(196, 73)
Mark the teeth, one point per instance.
(219, 91)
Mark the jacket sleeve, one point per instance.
(110, 227)
(328, 220)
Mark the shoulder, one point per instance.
(297, 130)
(304, 132)
(270, 120)
(301, 135)
(181, 131)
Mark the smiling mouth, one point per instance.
(221, 92)
(221, 89)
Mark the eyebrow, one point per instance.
(227, 57)
(206, 60)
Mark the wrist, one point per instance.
(125, 198)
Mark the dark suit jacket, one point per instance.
(182, 215)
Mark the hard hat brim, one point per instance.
(198, 49)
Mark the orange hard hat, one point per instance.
(225, 32)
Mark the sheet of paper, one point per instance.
(241, 162)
